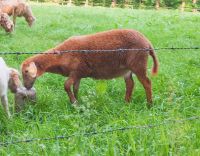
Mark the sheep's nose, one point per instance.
(28, 87)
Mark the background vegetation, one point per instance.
(131, 3)
(176, 90)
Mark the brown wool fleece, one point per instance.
(17, 8)
(99, 65)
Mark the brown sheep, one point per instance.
(97, 65)
(6, 23)
(17, 8)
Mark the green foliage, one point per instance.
(3, 122)
(170, 3)
(128, 3)
(176, 89)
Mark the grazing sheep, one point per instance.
(98, 65)
(6, 23)
(5, 82)
(17, 8)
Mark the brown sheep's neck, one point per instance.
(44, 62)
(49, 63)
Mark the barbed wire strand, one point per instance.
(106, 131)
(95, 51)
(161, 7)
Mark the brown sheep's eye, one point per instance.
(26, 71)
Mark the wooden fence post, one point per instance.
(194, 2)
(157, 4)
(183, 6)
(113, 4)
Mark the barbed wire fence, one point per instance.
(106, 131)
(110, 130)
(101, 50)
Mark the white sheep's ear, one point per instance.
(32, 70)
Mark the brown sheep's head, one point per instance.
(29, 74)
(30, 19)
(6, 23)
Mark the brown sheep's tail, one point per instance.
(155, 62)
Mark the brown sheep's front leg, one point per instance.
(129, 86)
(14, 19)
(14, 16)
(71, 81)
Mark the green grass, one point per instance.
(176, 90)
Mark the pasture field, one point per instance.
(176, 89)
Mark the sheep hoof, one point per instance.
(128, 101)
(75, 103)
(149, 105)
(9, 116)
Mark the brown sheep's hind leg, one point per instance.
(129, 86)
(146, 82)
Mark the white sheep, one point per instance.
(4, 79)
(9, 78)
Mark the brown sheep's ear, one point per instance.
(32, 70)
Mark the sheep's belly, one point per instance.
(109, 73)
